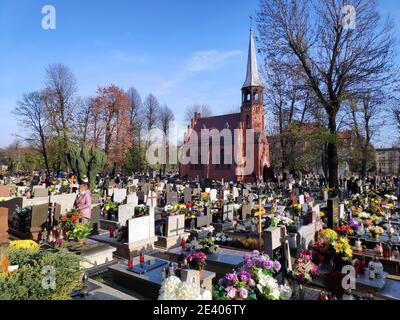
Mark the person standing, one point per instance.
(83, 201)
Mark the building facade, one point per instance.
(388, 161)
(226, 147)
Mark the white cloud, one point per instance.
(210, 60)
(200, 61)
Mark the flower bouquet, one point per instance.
(80, 232)
(234, 286)
(304, 268)
(174, 289)
(376, 231)
(208, 245)
(197, 260)
(69, 220)
(140, 210)
(262, 269)
(110, 208)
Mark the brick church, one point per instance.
(251, 116)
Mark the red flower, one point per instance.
(63, 218)
(74, 218)
(337, 228)
(344, 228)
(189, 205)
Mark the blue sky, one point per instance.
(183, 51)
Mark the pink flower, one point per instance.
(231, 292)
(243, 293)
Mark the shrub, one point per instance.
(26, 282)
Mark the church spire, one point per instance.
(252, 76)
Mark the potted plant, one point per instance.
(80, 232)
(197, 260)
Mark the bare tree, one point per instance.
(166, 116)
(84, 111)
(203, 109)
(365, 120)
(31, 114)
(336, 61)
(151, 112)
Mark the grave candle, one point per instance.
(141, 258)
(111, 232)
(130, 263)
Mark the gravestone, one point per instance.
(213, 194)
(196, 192)
(66, 201)
(132, 199)
(342, 212)
(235, 193)
(326, 195)
(141, 229)
(239, 199)
(119, 195)
(95, 218)
(305, 236)
(5, 191)
(39, 219)
(228, 212)
(274, 239)
(151, 199)
(3, 225)
(301, 199)
(125, 212)
(11, 205)
(251, 198)
(204, 220)
(140, 195)
(39, 191)
(225, 193)
(172, 198)
(145, 188)
(175, 225)
(245, 192)
(246, 211)
(187, 195)
(333, 213)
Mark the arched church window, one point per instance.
(256, 96)
(248, 121)
(248, 97)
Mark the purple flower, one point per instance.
(268, 264)
(260, 262)
(249, 264)
(231, 292)
(230, 278)
(277, 266)
(244, 276)
(252, 283)
(243, 293)
(246, 257)
(256, 253)
(221, 281)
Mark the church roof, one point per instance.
(218, 122)
(252, 76)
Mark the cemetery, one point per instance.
(293, 236)
(284, 187)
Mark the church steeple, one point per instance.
(252, 76)
(252, 109)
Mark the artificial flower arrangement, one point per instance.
(342, 247)
(235, 286)
(110, 207)
(250, 243)
(69, 220)
(80, 232)
(173, 288)
(262, 269)
(344, 230)
(141, 210)
(208, 245)
(304, 268)
(197, 260)
(376, 231)
(53, 190)
(296, 208)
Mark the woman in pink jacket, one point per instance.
(83, 202)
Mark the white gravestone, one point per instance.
(301, 199)
(119, 195)
(226, 193)
(175, 225)
(132, 199)
(235, 192)
(140, 229)
(66, 201)
(125, 212)
(151, 199)
(213, 194)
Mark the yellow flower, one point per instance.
(328, 235)
(24, 244)
(322, 214)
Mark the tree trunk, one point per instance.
(332, 153)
